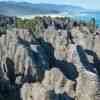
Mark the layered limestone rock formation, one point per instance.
(53, 84)
(51, 68)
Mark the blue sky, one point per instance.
(91, 4)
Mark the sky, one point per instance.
(90, 4)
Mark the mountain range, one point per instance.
(23, 8)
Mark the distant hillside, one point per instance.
(23, 8)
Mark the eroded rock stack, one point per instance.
(50, 67)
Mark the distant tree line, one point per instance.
(39, 24)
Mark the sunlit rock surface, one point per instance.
(61, 64)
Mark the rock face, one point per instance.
(21, 60)
(63, 64)
(53, 84)
(36, 91)
(97, 40)
(6, 22)
(86, 87)
(83, 57)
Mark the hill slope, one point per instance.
(23, 8)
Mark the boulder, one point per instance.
(86, 86)
(55, 80)
(36, 91)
